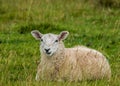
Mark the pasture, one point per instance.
(92, 26)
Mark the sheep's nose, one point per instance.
(47, 50)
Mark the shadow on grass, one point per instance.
(43, 27)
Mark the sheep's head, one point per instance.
(49, 42)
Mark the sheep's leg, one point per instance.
(37, 78)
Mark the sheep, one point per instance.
(58, 63)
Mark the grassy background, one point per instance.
(93, 26)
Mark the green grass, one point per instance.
(97, 28)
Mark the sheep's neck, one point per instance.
(58, 58)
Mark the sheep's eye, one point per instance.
(56, 40)
(41, 40)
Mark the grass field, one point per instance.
(95, 27)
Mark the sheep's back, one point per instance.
(91, 63)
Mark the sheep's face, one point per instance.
(49, 42)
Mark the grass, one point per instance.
(97, 28)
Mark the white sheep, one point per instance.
(58, 63)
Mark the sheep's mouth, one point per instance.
(48, 53)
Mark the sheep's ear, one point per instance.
(63, 35)
(36, 34)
